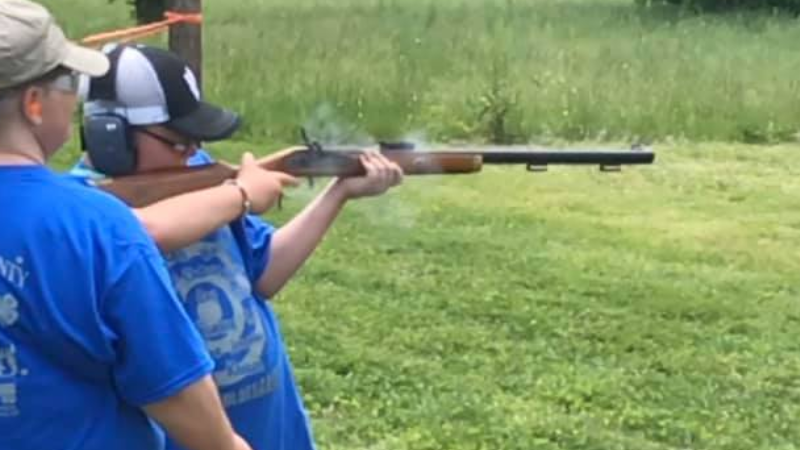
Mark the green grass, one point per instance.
(493, 70)
(646, 310)
(652, 309)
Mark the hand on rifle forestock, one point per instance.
(382, 174)
(264, 187)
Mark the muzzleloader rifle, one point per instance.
(314, 160)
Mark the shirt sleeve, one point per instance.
(158, 350)
(259, 237)
(257, 233)
(200, 158)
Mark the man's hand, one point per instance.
(263, 187)
(382, 174)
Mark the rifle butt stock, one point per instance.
(145, 189)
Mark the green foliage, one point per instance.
(732, 5)
(494, 70)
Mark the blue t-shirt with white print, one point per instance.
(90, 326)
(215, 278)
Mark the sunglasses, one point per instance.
(68, 82)
(178, 146)
(72, 83)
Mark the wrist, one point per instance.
(246, 205)
(338, 192)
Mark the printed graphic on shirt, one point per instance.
(10, 370)
(8, 400)
(217, 296)
(251, 391)
(12, 274)
(9, 312)
(13, 271)
(8, 362)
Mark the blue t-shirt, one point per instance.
(90, 327)
(215, 279)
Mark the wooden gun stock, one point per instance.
(147, 188)
(302, 162)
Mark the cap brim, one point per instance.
(206, 123)
(85, 60)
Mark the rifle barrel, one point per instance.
(543, 158)
(431, 160)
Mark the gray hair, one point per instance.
(8, 98)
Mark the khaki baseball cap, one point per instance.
(32, 44)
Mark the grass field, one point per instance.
(650, 309)
(493, 70)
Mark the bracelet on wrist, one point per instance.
(246, 203)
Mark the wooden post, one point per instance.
(186, 40)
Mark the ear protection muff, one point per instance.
(109, 143)
(106, 136)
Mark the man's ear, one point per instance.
(32, 104)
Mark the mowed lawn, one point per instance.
(654, 308)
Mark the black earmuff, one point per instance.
(109, 143)
(105, 136)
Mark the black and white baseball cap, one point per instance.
(151, 86)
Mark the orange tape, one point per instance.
(142, 31)
(190, 18)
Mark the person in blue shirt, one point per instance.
(224, 262)
(85, 300)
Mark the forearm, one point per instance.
(294, 242)
(195, 418)
(185, 219)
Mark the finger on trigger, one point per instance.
(288, 180)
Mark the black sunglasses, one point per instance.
(180, 147)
